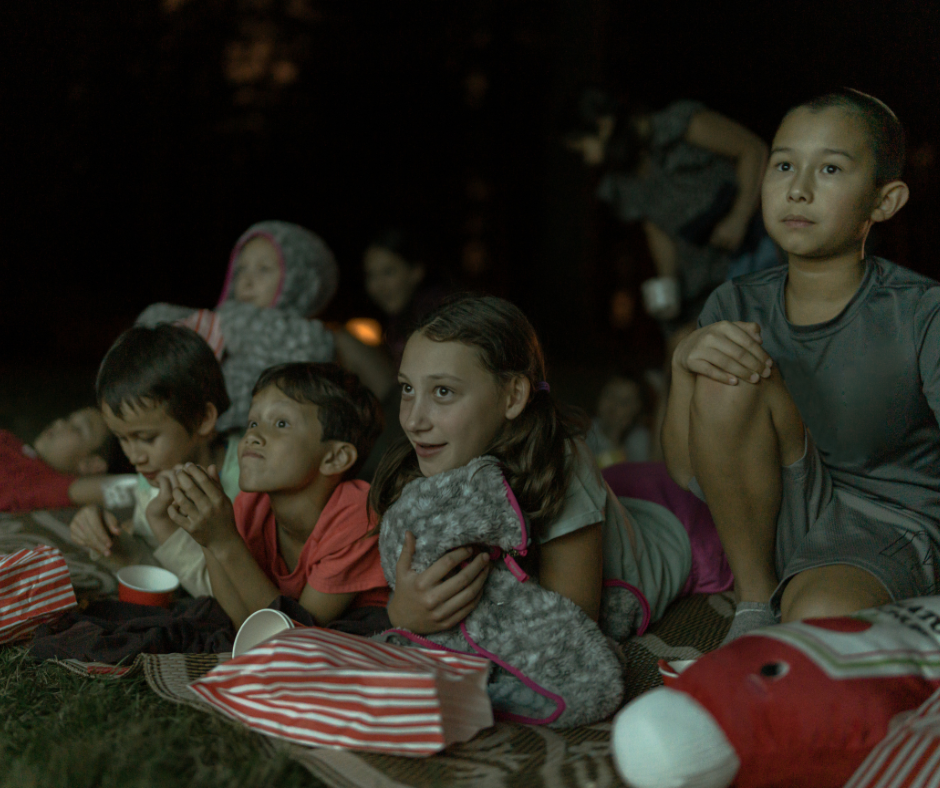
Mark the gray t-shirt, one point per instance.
(867, 382)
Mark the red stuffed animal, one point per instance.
(793, 705)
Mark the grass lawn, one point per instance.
(60, 729)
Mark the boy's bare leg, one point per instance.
(739, 437)
(829, 591)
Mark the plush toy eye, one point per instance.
(774, 670)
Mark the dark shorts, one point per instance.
(823, 525)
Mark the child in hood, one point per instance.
(280, 275)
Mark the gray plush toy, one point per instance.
(554, 665)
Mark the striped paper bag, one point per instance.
(34, 588)
(324, 688)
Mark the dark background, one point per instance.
(141, 138)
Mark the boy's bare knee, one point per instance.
(830, 591)
(720, 404)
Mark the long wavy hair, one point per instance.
(531, 447)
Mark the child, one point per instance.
(279, 276)
(473, 383)
(161, 392)
(65, 466)
(618, 432)
(301, 526)
(805, 405)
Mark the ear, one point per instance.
(91, 465)
(207, 426)
(517, 396)
(340, 457)
(894, 196)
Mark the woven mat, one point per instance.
(506, 754)
(90, 577)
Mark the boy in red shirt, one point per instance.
(298, 528)
(63, 467)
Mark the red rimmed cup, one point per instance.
(147, 585)
(670, 670)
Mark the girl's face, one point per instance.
(257, 273)
(390, 279)
(452, 408)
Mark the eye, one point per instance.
(831, 169)
(252, 424)
(774, 670)
(442, 391)
(406, 388)
(281, 423)
(783, 166)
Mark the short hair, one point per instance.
(164, 365)
(885, 133)
(347, 410)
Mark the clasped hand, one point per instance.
(193, 499)
(726, 352)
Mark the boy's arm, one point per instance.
(88, 490)
(202, 509)
(675, 435)
(325, 607)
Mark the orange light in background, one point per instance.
(366, 330)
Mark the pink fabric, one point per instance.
(650, 481)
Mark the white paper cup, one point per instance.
(147, 585)
(258, 627)
(661, 297)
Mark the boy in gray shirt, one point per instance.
(805, 407)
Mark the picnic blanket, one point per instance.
(91, 578)
(507, 754)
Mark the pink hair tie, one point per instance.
(543, 386)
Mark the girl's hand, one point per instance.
(426, 602)
(726, 352)
(201, 507)
(93, 527)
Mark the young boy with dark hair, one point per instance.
(301, 526)
(806, 404)
(161, 392)
(66, 465)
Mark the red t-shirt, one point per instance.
(28, 483)
(338, 556)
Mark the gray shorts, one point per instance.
(822, 525)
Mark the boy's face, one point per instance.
(70, 445)
(257, 273)
(152, 439)
(819, 188)
(283, 448)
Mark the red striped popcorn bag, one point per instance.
(324, 688)
(34, 589)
